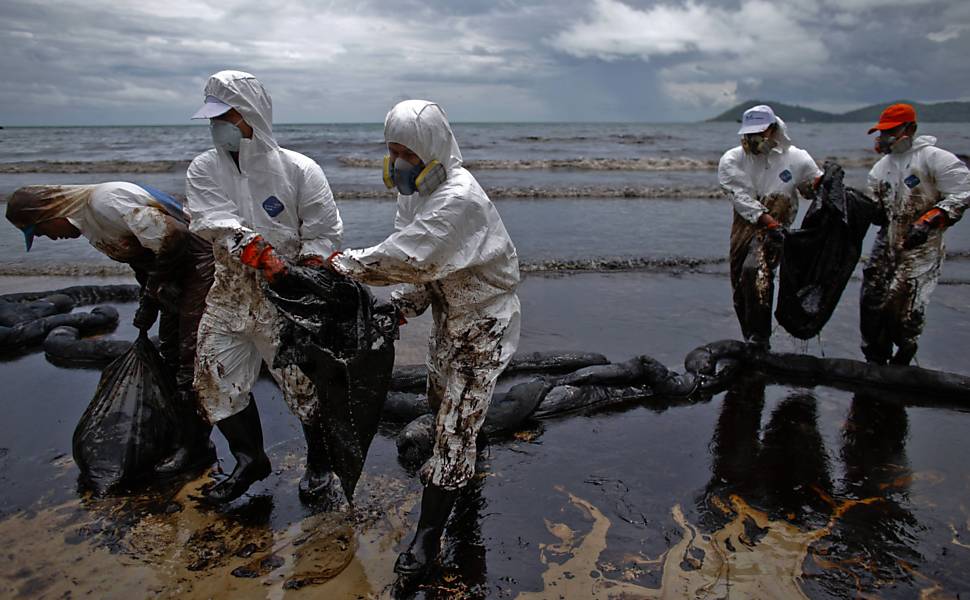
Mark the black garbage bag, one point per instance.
(818, 259)
(343, 340)
(131, 422)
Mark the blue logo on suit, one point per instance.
(273, 206)
(785, 175)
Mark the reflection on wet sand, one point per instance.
(861, 539)
(779, 516)
(169, 545)
(751, 556)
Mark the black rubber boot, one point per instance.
(187, 458)
(436, 505)
(194, 448)
(904, 354)
(760, 344)
(319, 485)
(244, 433)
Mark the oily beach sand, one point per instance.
(589, 506)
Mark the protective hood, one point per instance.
(923, 141)
(246, 94)
(423, 127)
(33, 204)
(783, 139)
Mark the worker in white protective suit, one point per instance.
(765, 175)
(452, 252)
(148, 230)
(921, 190)
(259, 205)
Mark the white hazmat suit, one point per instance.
(897, 282)
(761, 183)
(280, 195)
(452, 250)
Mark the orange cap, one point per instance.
(894, 116)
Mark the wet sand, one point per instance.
(764, 491)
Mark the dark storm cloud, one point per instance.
(116, 62)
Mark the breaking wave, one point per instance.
(647, 164)
(530, 192)
(96, 166)
(620, 138)
(662, 264)
(61, 269)
(651, 163)
(579, 164)
(676, 193)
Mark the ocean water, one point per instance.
(565, 191)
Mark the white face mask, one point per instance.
(225, 135)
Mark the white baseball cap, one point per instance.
(756, 119)
(213, 107)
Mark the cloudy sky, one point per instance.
(118, 62)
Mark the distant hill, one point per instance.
(950, 112)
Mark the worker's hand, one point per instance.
(916, 235)
(774, 231)
(331, 258)
(313, 261)
(398, 312)
(776, 236)
(271, 264)
(768, 222)
(146, 314)
(809, 187)
(935, 218)
(251, 252)
(920, 230)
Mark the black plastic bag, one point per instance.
(819, 258)
(130, 424)
(343, 341)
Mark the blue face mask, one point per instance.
(225, 135)
(405, 176)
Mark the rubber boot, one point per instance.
(904, 354)
(194, 448)
(436, 505)
(759, 344)
(319, 485)
(245, 436)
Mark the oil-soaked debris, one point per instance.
(343, 341)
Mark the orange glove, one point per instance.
(251, 251)
(314, 261)
(330, 259)
(272, 265)
(768, 221)
(919, 231)
(935, 218)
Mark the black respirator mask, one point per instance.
(757, 143)
(889, 144)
